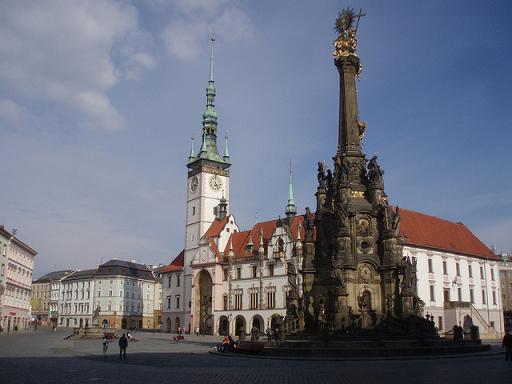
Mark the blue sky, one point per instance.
(99, 99)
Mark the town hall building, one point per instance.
(229, 280)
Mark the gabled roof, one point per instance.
(419, 229)
(176, 265)
(241, 239)
(216, 227)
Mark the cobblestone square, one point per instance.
(45, 357)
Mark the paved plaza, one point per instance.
(45, 357)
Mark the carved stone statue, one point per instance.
(321, 174)
(292, 280)
(419, 306)
(255, 334)
(361, 125)
(337, 274)
(390, 306)
(345, 170)
(96, 317)
(309, 224)
(375, 173)
(329, 180)
(409, 276)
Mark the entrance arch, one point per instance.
(203, 289)
(168, 328)
(104, 323)
(274, 321)
(258, 323)
(240, 325)
(177, 325)
(223, 326)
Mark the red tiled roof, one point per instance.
(216, 227)
(432, 232)
(177, 264)
(240, 239)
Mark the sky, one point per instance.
(99, 101)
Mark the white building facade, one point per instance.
(77, 299)
(17, 270)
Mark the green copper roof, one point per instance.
(291, 210)
(209, 149)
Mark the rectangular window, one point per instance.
(446, 295)
(459, 293)
(239, 273)
(432, 293)
(271, 299)
(482, 273)
(457, 269)
(430, 266)
(225, 302)
(470, 271)
(493, 297)
(253, 300)
(254, 271)
(169, 281)
(440, 322)
(178, 280)
(177, 301)
(492, 274)
(225, 274)
(471, 296)
(120, 293)
(484, 296)
(168, 302)
(492, 324)
(110, 293)
(238, 300)
(271, 270)
(193, 211)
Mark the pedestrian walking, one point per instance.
(123, 343)
(105, 347)
(507, 344)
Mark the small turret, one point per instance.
(291, 210)
(223, 208)
(226, 151)
(192, 155)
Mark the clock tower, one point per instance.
(208, 175)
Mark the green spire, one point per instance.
(226, 150)
(290, 208)
(192, 155)
(209, 149)
(210, 115)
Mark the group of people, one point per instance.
(228, 344)
(123, 344)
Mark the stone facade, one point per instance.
(17, 276)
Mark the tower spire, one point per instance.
(290, 208)
(192, 155)
(212, 39)
(226, 150)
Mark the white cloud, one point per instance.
(186, 34)
(63, 52)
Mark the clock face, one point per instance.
(194, 183)
(215, 183)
